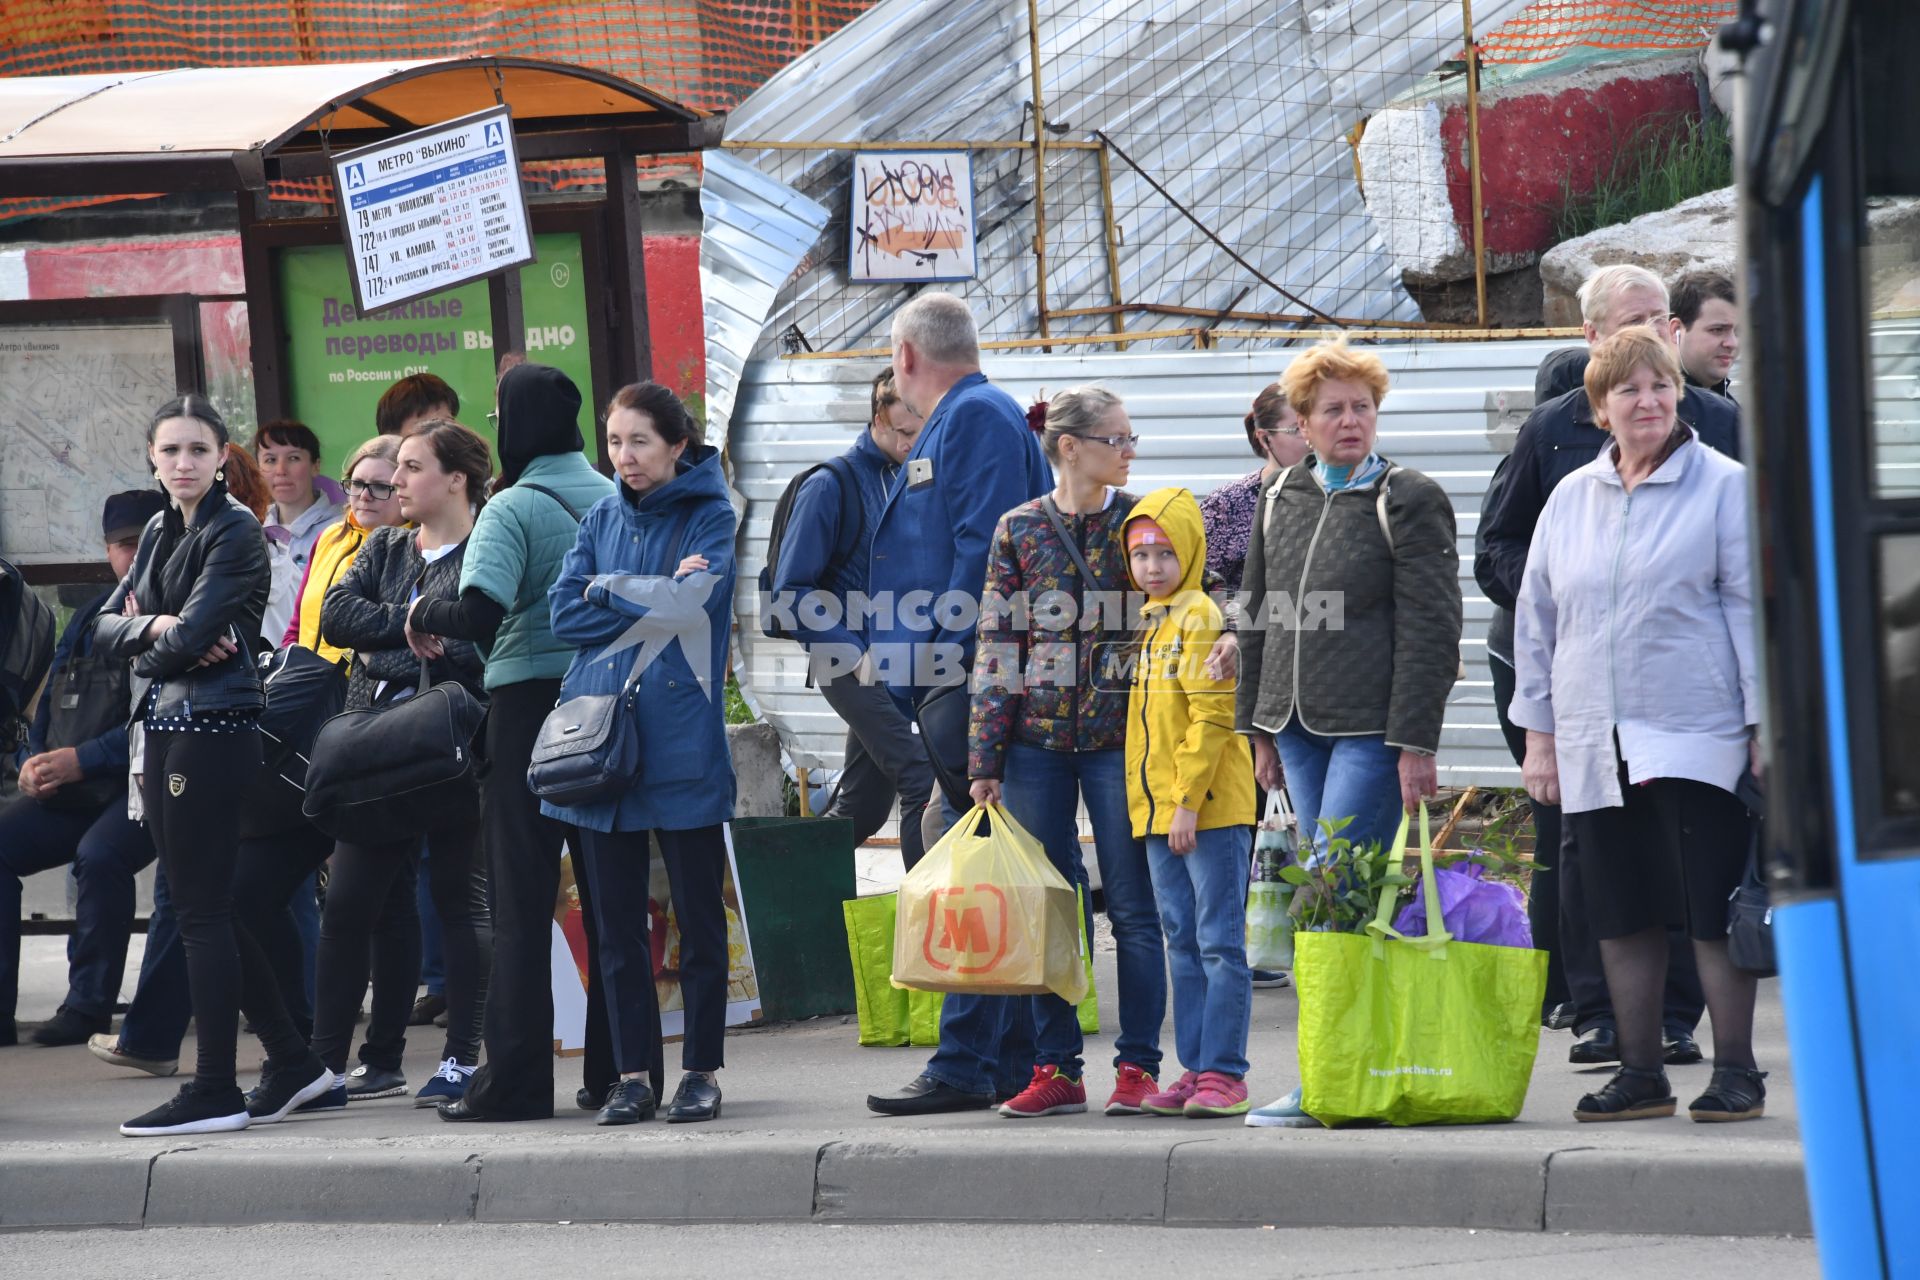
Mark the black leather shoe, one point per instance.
(927, 1096)
(697, 1098)
(69, 1026)
(1680, 1049)
(631, 1101)
(588, 1100)
(461, 1109)
(1558, 1018)
(1598, 1045)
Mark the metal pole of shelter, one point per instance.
(1473, 164)
(1039, 169)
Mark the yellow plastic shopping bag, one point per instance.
(985, 912)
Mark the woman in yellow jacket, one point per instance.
(371, 504)
(1190, 788)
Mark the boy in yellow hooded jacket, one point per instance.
(1190, 789)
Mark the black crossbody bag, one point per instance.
(589, 747)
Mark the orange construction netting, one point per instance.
(705, 53)
(1555, 28)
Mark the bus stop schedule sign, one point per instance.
(433, 209)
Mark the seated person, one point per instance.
(73, 807)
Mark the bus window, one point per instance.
(1900, 674)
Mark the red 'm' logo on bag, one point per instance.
(966, 930)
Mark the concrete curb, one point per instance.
(1291, 1180)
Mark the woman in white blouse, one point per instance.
(1636, 685)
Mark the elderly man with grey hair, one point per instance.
(1557, 439)
(975, 460)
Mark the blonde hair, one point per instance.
(1614, 361)
(1603, 286)
(385, 448)
(1332, 361)
(1077, 411)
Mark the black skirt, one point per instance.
(1668, 858)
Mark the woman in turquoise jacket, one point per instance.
(646, 596)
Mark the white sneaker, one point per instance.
(105, 1045)
(1285, 1113)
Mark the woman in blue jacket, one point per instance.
(646, 596)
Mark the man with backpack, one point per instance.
(72, 807)
(813, 589)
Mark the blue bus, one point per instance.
(1827, 147)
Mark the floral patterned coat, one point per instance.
(1036, 676)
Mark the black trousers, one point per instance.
(884, 759)
(1556, 910)
(188, 786)
(696, 859)
(364, 880)
(523, 865)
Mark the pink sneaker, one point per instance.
(1131, 1088)
(1172, 1100)
(1050, 1094)
(1217, 1095)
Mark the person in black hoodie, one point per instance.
(513, 556)
(442, 482)
(185, 618)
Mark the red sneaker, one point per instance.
(1049, 1094)
(1131, 1087)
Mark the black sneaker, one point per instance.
(281, 1089)
(367, 1081)
(69, 1026)
(192, 1110)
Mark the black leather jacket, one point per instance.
(213, 576)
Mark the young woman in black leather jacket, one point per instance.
(185, 618)
(442, 480)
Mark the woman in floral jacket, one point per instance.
(1048, 729)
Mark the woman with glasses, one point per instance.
(1047, 729)
(372, 503)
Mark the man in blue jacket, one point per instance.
(73, 809)
(825, 554)
(1557, 439)
(975, 460)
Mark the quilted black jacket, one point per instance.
(366, 611)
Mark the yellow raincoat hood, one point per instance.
(1182, 751)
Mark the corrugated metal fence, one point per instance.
(1451, 412)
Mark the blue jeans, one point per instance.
(156, 1020)
(991, 1043)
(106, 848)
(1335, 778)
(1203, 904)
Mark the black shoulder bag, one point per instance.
(588, 749)
(1750, 906)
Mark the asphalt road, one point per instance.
(800, 1252)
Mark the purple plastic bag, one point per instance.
(1475, 910)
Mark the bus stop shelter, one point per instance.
(243, 129)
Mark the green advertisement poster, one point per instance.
(339, 362)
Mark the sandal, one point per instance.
(1734, 1093)
(1632, 1094)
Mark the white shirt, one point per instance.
(1635, 617)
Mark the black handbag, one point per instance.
(588, 748)
(1750, 905)
(381, 774)
(942, 718)
(87, 697)
(303, 691)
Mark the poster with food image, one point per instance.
(570, 956)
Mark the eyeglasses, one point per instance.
(493, 419)
(1290, 432)
(1115, 442)
(374, 489)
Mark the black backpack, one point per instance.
(852, 519)
(26, 651)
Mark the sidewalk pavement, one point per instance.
(796, 1143)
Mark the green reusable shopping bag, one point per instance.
(1415, 1030)
(883, 1008)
